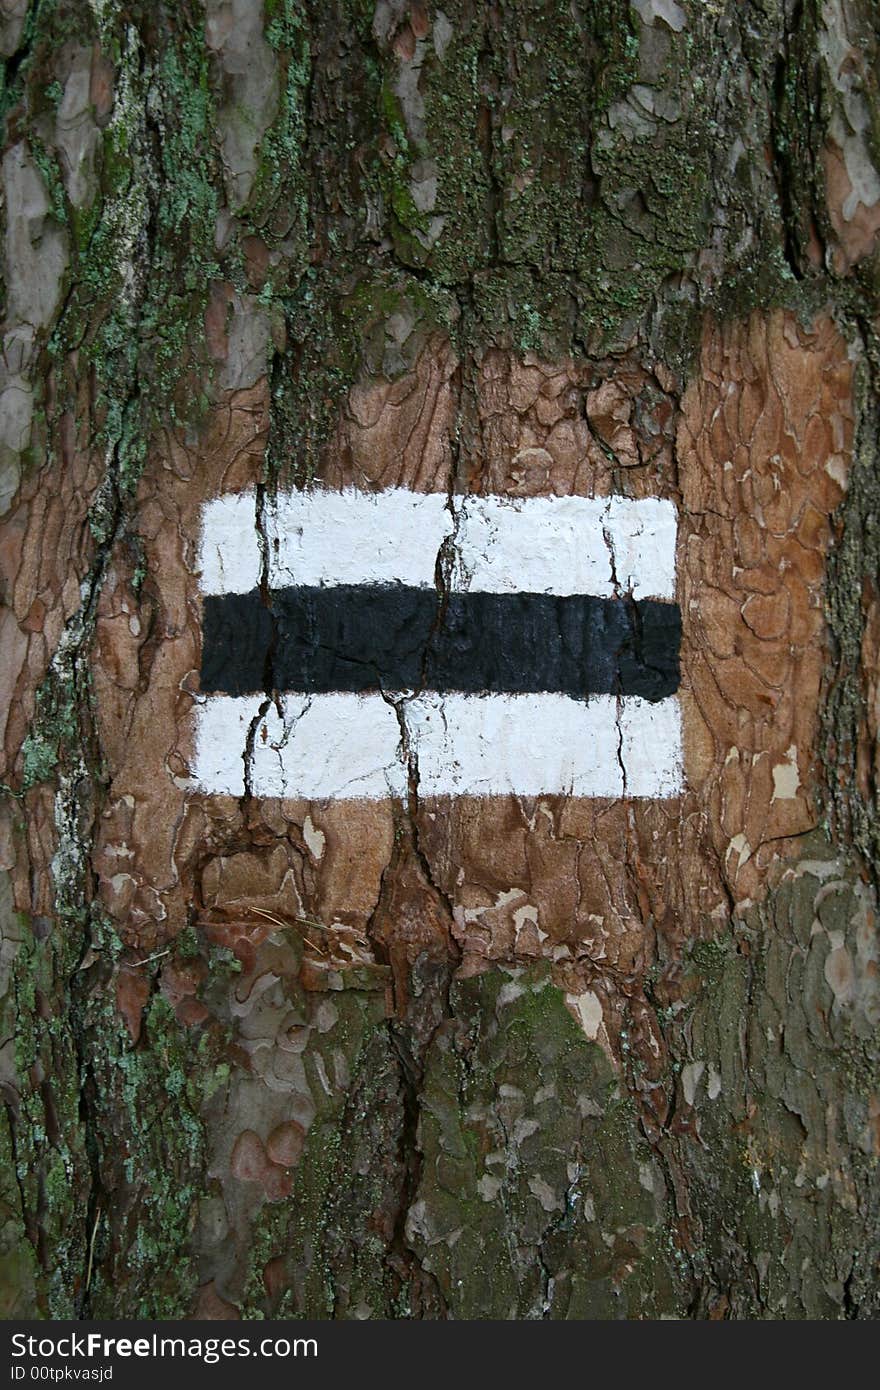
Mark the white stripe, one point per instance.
(229, 548)
(552, 545)
(321, 746)
(566, 545)
(222, 725)
(651, 747)
(339, 745)
(349, 746)
(328, 538)
(643, 535)
(489, 745)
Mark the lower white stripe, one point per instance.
(343, 746)
(222, 725)
(318, 746)
(489, 745)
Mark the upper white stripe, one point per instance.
(327, 538)
(229, 546)
(553, 545)
(566, 545)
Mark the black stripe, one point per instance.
(360, 638)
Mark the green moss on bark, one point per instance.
(538, 1198)
(782, 1046)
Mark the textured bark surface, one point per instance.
(474, 1057)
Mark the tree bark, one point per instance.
(430, 1057)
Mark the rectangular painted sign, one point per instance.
(489, 645)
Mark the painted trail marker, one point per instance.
(509, 645)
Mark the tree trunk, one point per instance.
(427, 1055)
